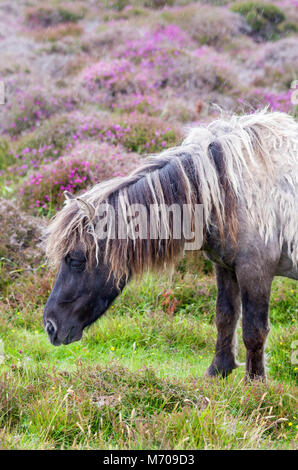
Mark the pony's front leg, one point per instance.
(255, 295)
(228, 307)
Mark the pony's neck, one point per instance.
(168, 197)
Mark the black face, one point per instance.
(78, 298)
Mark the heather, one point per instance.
(86, 165)
(91, 88)
(29, 109)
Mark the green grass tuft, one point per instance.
(263, 18)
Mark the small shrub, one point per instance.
(148, 136)
(29, 108)
(216, 2)
(288, 27)
(121, 5)
(205, 25)
(110, 78)
(125, 14)
(56, 33)
(158, 3)
(142, 134)
(276, 63)
(71, 14)
(263, 18)
(19, 237)
(135, 132)
(46, 16)
(205, 73)
(178, 109)
(43, 192)
(48, 140)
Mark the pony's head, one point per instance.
(79, 297)
(85, 285)
(93, 270)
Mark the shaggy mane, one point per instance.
(250, 159)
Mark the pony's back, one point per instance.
(260, 156)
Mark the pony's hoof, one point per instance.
(223, 369)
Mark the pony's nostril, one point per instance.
(50, 327)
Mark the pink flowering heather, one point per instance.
(277, 101)
(136, 132)
(44, 189)
(140, 67)
(88, 164)
(30, 108)
(157, 45)
(141, 103)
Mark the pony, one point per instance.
(243, 171)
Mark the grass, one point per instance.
(135, 381)
(6, 158)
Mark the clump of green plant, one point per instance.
(158, 3)
(284, 300)
(6, 157)
(117, 5)
(281, 352)
(120, 5)
(145, 134)
(125, 14)
(136, 132)
(47, 140)
(56, 33)
(216, 2)
(71, 14)
(263, 18)
(45, 16)
(288, 27)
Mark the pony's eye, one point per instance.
(77, 265)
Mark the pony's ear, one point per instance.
(68, 196)
(87, 208)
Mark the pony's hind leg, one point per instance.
(228, 308)
(255, 295)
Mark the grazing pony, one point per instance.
(243, 170)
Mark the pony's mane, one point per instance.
(235, 158)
